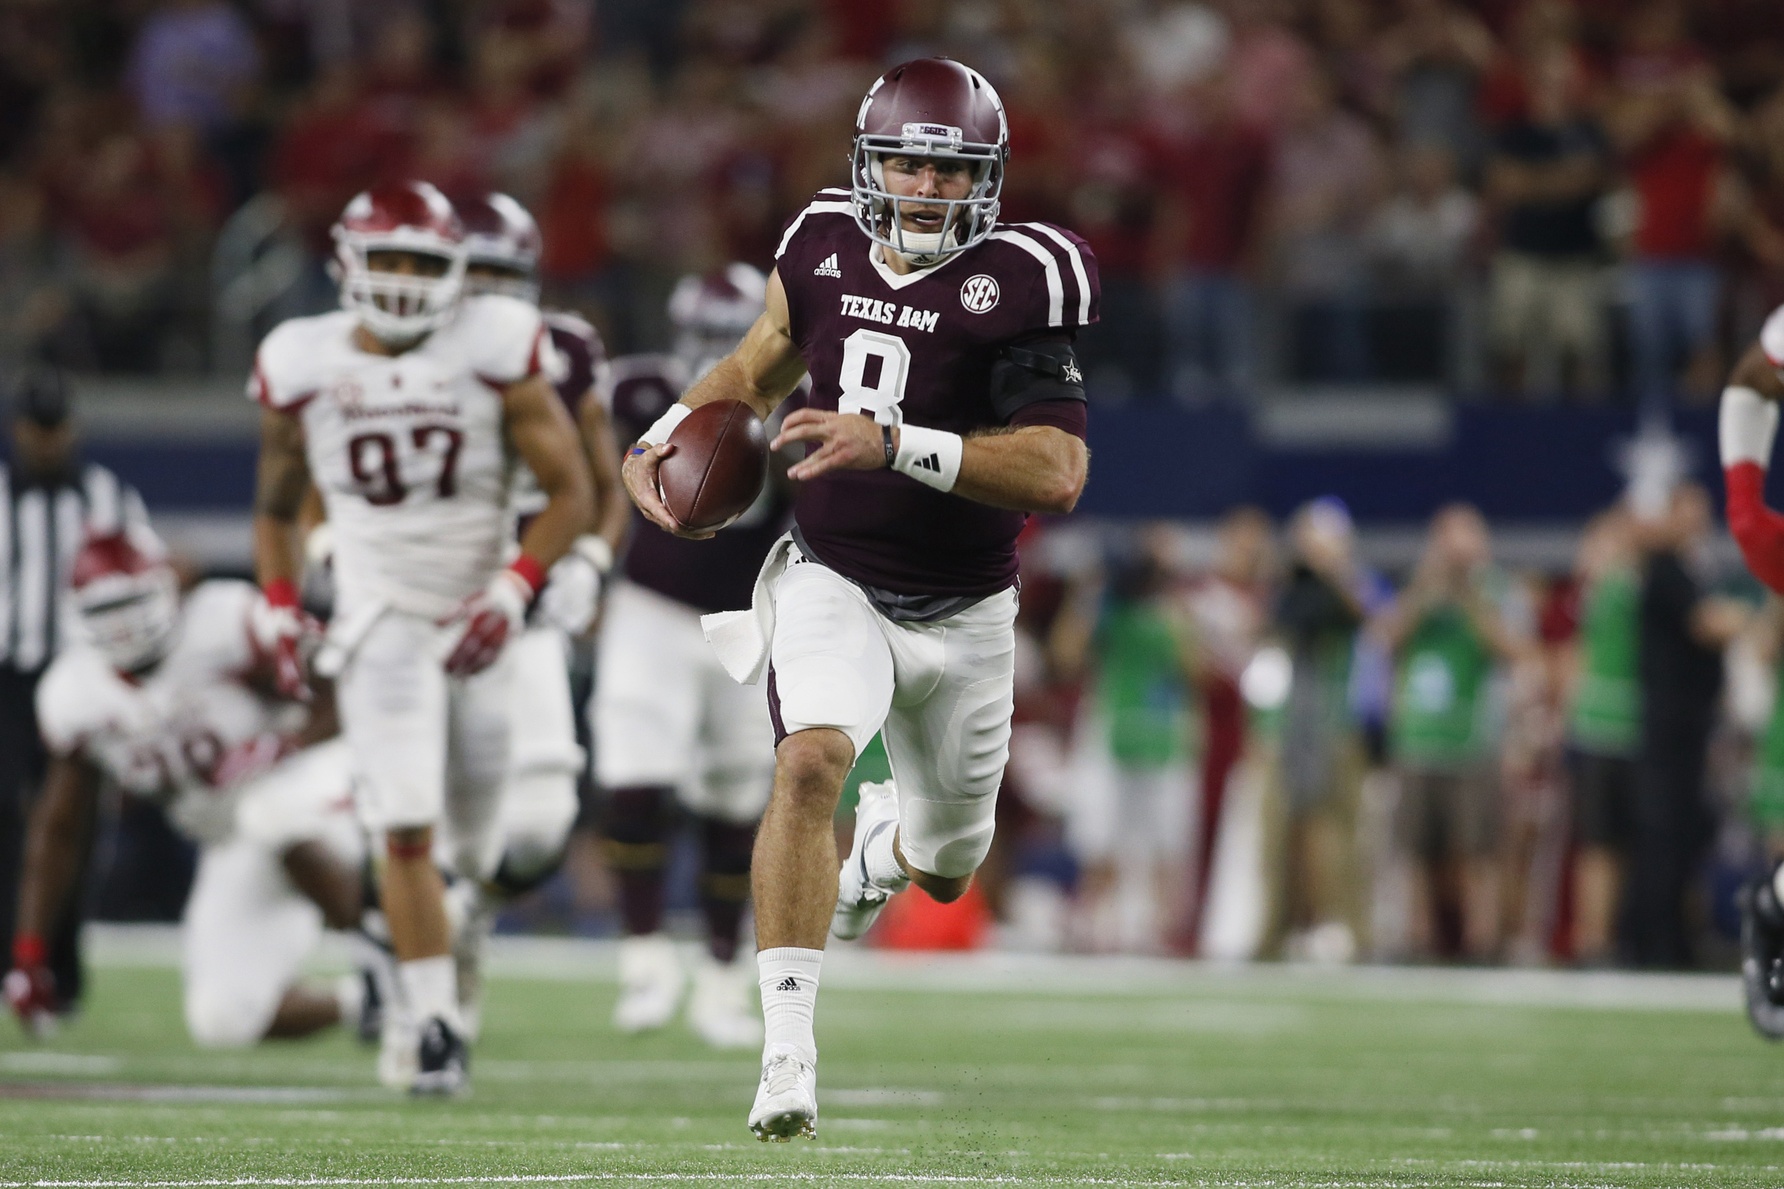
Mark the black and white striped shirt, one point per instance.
(42, 526)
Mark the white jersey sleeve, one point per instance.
(1771, 339)
(289, 369)
(72, 705)
(509, 339)
(214, 624)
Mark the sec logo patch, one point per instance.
(979, 293)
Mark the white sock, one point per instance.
(788, 977)
(881, 861)
(350, 996)
(431, 987)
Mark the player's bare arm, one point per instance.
(1030, 468)
(282, 481)
(764, 369)
(612, 510)
(55, 835)
(546, 440)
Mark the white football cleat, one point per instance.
(721, 1010)
(859, 899)
(650, 983)
(787, 1099)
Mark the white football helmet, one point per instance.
(711, 313)
(410, 217)
(127, 600)
(500, 233)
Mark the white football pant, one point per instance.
(942, 692)
(247, 931)
(665, 712)
(539, 798)
(428, 749)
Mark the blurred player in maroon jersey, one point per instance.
(947, 404)
(669, 723)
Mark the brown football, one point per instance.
(718, 465)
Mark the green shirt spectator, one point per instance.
(1606, 717)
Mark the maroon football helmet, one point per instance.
(127, 599)
(407, 217)
(500, 233)
(930, 107)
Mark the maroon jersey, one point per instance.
(921, 348)
(712, 575)
(582, 353)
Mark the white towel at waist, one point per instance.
(741, 638)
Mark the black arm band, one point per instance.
(891, 450)
(1045, 369)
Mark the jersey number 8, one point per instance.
(372, 457)
(889, 358)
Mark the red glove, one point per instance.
(31, 988)
(280, 629)
(492, 615)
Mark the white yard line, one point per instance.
(593, 1178)
(583, 960)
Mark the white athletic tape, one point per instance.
(1746, 426)
(665, 425)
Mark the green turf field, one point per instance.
(1024, 1074)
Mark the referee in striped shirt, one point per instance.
(49, 502)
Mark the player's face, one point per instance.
(493, 273)
(407, 264)
(925, 177)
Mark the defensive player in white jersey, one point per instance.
(168, 698)
(668, 723)
(409, 408)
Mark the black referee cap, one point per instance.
(39, 395)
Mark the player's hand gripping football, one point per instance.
(845, 442)
(639, 473)
(31, 988)
(488, 618)
(283, 632)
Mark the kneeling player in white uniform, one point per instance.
(668, 723)
(170, 700)
(411, 407)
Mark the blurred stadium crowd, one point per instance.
(1515, 197)
(1248, 743)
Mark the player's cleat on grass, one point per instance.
(858, 898)
(721, 1010)
(650, 983)
(1762, 957)
(443, 1063)
(369, 1027)
(787, 1099)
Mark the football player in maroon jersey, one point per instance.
(946, 406)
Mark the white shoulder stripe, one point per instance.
(816, 208)
(105, 513)
(1049, 264)
(1077, 259)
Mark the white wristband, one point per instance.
(595, 550)
(1745, 427)
(665, 425)
(930, 456)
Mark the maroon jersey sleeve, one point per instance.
(580, 353)
(920, 348)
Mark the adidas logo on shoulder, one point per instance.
(829, 268)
